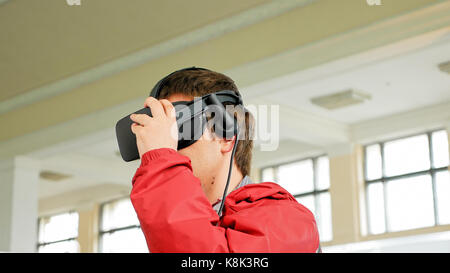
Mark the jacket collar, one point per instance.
(244, 182)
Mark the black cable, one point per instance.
(228, 179)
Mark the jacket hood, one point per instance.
(249, 195)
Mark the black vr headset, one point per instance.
(192, 118)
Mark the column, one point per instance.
(346, 190)
(19, 179)
(88, 228)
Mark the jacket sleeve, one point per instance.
(173, 210)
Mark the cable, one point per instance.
(228, 179)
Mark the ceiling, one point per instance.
(43, 41)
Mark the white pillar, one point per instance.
(19, 179)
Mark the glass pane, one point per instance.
(324, 217)
(118, 214)
(323, 173)
(71, 246)
(406, 155)
(268, 175)
(375, 203)
(58, 227)
(410, 203)
(440, 149)
(124, 241)
(373, 162)
(443, 197)
(297, 177)
(308, 202)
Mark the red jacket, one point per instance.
(176, 216)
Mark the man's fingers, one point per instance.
(168, 108)
(142, 119)
(155, 106)
(135, 128)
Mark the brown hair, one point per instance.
(198, 83)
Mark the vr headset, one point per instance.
(192, 118)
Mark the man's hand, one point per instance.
(159, 131)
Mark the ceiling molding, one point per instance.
(241, 20)
(398, 125)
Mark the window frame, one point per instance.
(39, 244)
(314, 161)
(110, 231)
(315, 192)
(384, 179)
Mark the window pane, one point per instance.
(410, 203)
(58, 227)
(118, 214)
(71, 246)
(406, 155)
(373, 162)
(268, 175)
(324, 217)
(443, 197)
(323, 173)
(308, 202)
(297, 177)
(124, 241)
(440, 149)
(375, 203)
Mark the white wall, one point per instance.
(425, 243)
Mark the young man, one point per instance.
(176, 193)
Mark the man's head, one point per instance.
(210, 155)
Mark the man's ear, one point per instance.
(227, 144)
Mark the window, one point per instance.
(407, 183)
(58, 233)
(309, 182)
(119, 228)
